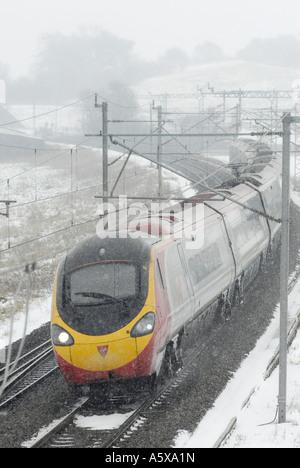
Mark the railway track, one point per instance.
(67, 433)
(30, 369)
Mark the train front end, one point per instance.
(103, 313)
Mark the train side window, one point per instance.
(159, 275)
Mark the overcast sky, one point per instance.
(153, 25)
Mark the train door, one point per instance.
(161, 299)
(187, 277)
(179, 289)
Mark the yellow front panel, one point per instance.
(119, 353)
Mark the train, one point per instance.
(123, 303)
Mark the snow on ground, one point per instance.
(229, 74)
(39, 314)
(252, 429)
(103, 422)
(92, 423)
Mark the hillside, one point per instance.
(231, 74)
(227, 75)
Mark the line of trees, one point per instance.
(67, 67)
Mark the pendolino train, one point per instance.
(122, 304)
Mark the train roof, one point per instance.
(254, 159)
(135, 243)
(95, 249)
(209, 171)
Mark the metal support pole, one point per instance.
(238, 113)
(105, 152)
(159, 114)
(284, 268)
(7, 203)
(104, 135)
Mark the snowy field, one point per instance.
(226, 75)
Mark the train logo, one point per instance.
(102, 350)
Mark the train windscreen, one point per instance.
(103, 297)
(102, 282)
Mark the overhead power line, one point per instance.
(45, 113)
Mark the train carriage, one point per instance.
(121, 304)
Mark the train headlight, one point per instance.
(61, 337)
(144, 326)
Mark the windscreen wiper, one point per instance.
(97, 295)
